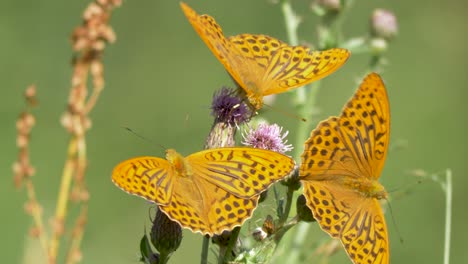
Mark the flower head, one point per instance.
(229, 108)
(384, 24)
(268, 137)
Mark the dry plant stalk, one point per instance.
(88, 41)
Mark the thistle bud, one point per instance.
(166, 235)
(384, 24)
(293, 181)
(263, 196)
(222, 239)
(303, 211)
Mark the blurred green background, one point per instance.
(160, 78)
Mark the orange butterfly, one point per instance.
(208, 191)
(263, 65)
(341, 165)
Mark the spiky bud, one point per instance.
(222, 239)
(303, 211)
(263, 196)
(166, 235)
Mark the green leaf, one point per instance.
(147, 254)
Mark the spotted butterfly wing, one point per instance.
(209, 191)
(263, 65)
(341, 164)
(149, 177)
(281, 67)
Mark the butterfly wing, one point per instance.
(354, 144)
(356, 220)
(294, 66)
(212, 34)
(224, 187)
(271, 66)
(207, 209)
(243, 172)
(147, 177)
(256, 51)
(263, 65)
(342, 155)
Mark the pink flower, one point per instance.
(268, 137)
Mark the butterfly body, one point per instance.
(341, 165)
(262, 65)
(208, 191)
(179, 163)
(367, 188)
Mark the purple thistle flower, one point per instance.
(268, 137)
(227, 107)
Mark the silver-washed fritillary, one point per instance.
(208, 191)
(341, 165)
(262, 65)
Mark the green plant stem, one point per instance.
(296, 243)
(204, 253)
(232, 241)
(305, 98)
(163, 258)
(448, 215)
(292, 22)
(305, 110)
(305, 101)
(287, 208)
(375, 62)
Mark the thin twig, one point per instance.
(36, 213)
(63, 198)
(74, 254)
(448, 215)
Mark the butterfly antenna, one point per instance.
(186, 121)
(394, 222)
(286, 113)
(144, 138)
(407, 188)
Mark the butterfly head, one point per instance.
(179, 163)
(376, 190)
